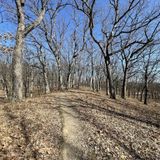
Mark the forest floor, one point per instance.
(79, 125)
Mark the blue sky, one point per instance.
(65, 14)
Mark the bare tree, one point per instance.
(43, 62)
(22, 32)
(118, 27)
(151, 63)
(55, 39)
(77, 46)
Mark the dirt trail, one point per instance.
(73, 136)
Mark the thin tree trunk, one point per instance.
(146, 90)
(59, 78)
(124, 85)
(92, 82)
(59, 72)
(5, 87)
(31, 85)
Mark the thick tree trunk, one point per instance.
(68, 81)
(17, 61)
(47, 89)
(45, 79)
(107, 86)
(110, 81)
(17, 55)
(68, 85)
(92, 83)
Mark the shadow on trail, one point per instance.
(24, 129)
(118, 113)
(27, 129)
(114, 112)
(111, 133)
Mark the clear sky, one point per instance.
(65, 14)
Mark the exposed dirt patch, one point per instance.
(72, 134)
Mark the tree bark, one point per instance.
(110, 81)
(79, 79)
(31, 83)
(146, 90)
(21, 33)
(17, 55)
(92, 81)
(47, 89)
(124, 84)
(5, 87)
(68, 81)
(59, 74)
(141, 95)
(107, 86)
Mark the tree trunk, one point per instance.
(92, 83)
(31, 84)
(79, 79)
(47, 89)
(59, 72)
(129, 92)
(146, 90)
(141, 95)
(68, 83)
(59, 78)
(45, 78)
(5, 87)
(124, 84)
(110, 81)
(17, 55)
(17, 61)
(107, 86)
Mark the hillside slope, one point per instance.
(79, 125)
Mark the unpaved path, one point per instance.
(73, 134)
